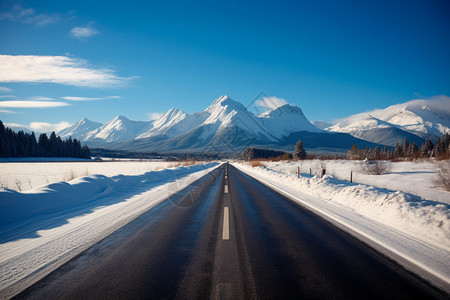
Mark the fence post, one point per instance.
(351, 176)
(309, 171)
(323, 172)
(298, 172)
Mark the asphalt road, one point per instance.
(230, 237)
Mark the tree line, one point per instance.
(440, 150)
(22, 144)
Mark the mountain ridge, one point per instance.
(227, 125)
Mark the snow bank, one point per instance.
(24, 176)
(413, 177)
(45, 227)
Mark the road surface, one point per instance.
(230, 237)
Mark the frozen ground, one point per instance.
(44, 227)
(415, 230)
(25, 176)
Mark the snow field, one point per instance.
(23, 176)
(416, 232)
(47, 226)
(417, 177)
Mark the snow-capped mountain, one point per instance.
(415, 119)
(225, 114)
(79, 130)
(174, 122)
(118, 129)
(321, 124)
(286, 119)
(226, 125)
(377, 131)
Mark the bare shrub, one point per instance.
(187, 163)
(443, 178)
(376, 167)
(18, 184)
(70, 176)
(256, 163)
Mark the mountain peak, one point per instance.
(224, 101)
(120, 117)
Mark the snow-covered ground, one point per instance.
(415, 230)
(46, 226)
(417, 177)
(25, 176)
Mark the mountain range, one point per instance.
(227, 126)
(415, 120)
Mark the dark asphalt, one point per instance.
(276, 250)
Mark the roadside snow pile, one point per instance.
(425, 220)
(24, 176)
(84, 191)
(414, 177)
(45, 227)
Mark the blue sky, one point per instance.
(98, 59)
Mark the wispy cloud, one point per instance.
(39, 127)
(31, 104)
(57, 69)
(7, 96)
(5, 111)
(71, 98)
(40, 98)
(270, 102)
(83, 32)
(48, 127)
(5, 90)
(154, 116)
(81, 98)
(28, 15)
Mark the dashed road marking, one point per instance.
(225, 189)
(226, 224)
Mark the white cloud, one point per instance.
(31, 104)
(56, 69)
(39, 127)
(81, 98)
(270, 102)
(48, 127)
(28, 15)
(5, 90)
(5, 111)
(39, 98)
(83, 32)
(72, 98)
(17, 127)
(154, 116)
(7, 96)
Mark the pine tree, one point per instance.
(398, 151)
(405, 147)
(426, 149)
(439, 149)
(43, 145)
(299, 151)
(2, 140)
